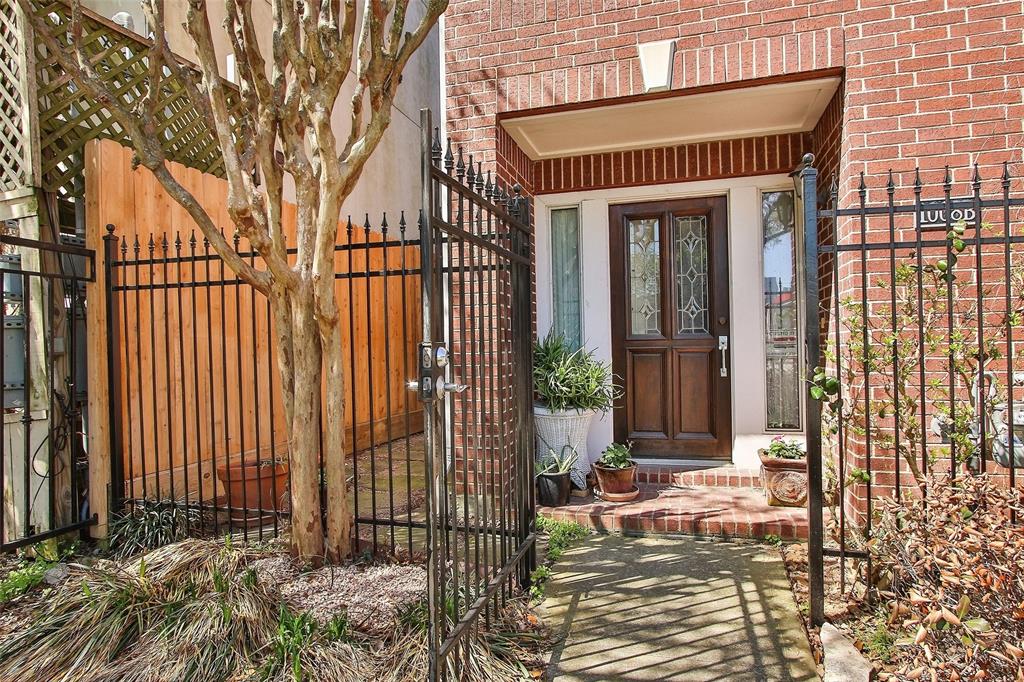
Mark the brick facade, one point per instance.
(935, 81)
(701, 161)
(928, 83)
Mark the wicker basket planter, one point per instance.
(555, 430)
(785, 480)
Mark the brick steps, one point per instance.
(724, 511)
(726, 476)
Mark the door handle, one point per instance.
(445, 387)
(723, 347)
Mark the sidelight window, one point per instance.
(567, 313)
(781, 311)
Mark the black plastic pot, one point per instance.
(553, 489)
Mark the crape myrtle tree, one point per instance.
(281, 126)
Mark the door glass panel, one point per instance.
(690, 252)
(644, 277)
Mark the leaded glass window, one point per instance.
(781, 311)
(690, 237)
(644, 276)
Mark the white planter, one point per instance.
(555, 430)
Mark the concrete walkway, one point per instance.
(674, 609)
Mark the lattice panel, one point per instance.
(68, 119)
(14, 162)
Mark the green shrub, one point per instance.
(538, 580)
(151, 524)
(295, 633)
(881, 642)
(786, 448)
(561, 535)
(568, 379)
(21, 580)
(617, 456)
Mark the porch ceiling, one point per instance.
(682, 118)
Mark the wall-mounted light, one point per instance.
(656, 64)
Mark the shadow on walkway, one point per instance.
(674, 609)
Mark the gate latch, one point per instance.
(425, 365)
(432, 359)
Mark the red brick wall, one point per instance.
(926, 83)
(936, 80)
(700, 161)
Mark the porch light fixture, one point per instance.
(656, 64)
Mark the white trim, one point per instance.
(684, 118)
(745, 298)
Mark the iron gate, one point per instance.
(475, 383)
(43, 464)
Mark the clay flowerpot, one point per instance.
(553, 489)
(616, 481)
(785, 480)
(254, 486)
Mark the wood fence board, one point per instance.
(190, 405)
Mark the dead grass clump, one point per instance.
(204, 611)
(951, 570)
(180, 593)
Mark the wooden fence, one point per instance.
(196, 378)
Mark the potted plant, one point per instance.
(571, 386)
(784, 472)
(255, 483)
(616, 472)
(553, 483)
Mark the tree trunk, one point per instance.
(307, 537)
(339, 519)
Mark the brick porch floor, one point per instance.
(726, 511)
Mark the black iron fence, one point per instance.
(475, 384)
(43, 467)
(916, 371)
(199, 424)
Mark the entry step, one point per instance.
(712, 476)
(724, 511)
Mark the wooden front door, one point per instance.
(670, 327)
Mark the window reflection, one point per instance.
(781, 310)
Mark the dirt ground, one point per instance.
(848, 610)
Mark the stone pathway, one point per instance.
(674, 609)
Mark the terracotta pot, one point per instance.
(553, 489)
(785, 480)
(615, 480)
(251, 487)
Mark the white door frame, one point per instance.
(746, 344)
